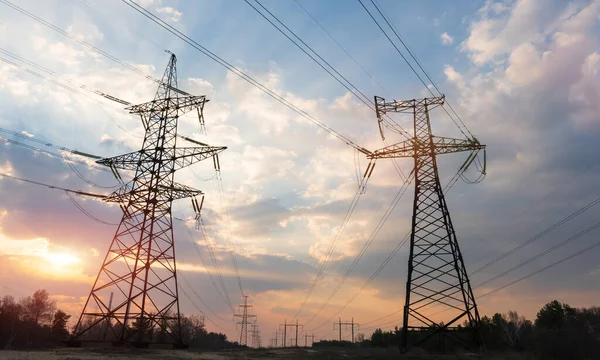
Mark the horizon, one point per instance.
(523, 75)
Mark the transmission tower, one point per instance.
(139, 267)
(436, 272)
(244, 322)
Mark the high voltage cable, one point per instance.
(326, 66)
(86, 213)
(69, 161)
(543, 253)
(199, 298)
(88, 45)
(241, 74)
(200, 310)
(222, 292)
(323, 265)
(47, 152)
(228, 223)
(388, 122)
(560, 261)
(78, 192)
(390, 256)
(197, 248)
(365, 247)
(340, 46)
(410, 65)
(539, 235)
(394, 30)
(130, 29)
(214, 260)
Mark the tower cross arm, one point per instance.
(181, 104)
(186, 156)
(412, 147)
(180, 191)
(182, 157)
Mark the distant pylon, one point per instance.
(437, 276)
(139, 267)
(244, 322)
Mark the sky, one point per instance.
(524, 76)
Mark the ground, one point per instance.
(320, 354)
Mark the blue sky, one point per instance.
(523, 75)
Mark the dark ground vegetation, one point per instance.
(33, 328)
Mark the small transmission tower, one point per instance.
(139, 267)
(244, 322)
(436, 271)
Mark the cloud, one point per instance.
(172, 14)
(446, 39)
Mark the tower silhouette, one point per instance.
(139, 267)
(436, 271)
(244, 322)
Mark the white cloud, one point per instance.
(172, 14)
(446, 39)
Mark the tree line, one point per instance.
(35, 322)
(558, 332)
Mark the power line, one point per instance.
(560, 261)
(325, 65)
(539, 235)
(241, 74)
(376, 4)
(349, 212)
(225, 295)
(90, 46)
(86, 213)
(200, 310)
(77, 192)
(411, 66)
(365, 247)
(340, 46)
(543, 253)
(199, 298)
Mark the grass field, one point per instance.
(324, 354)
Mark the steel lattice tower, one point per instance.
(437, 281)
(139, 267)
(244, 322)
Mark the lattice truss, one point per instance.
(438, 292)
(135, 295)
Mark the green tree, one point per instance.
(59, 325)
(39, 308)
(555, 315)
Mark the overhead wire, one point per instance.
(538, 235)
(88, 45)
(364, 249)
(325, 65)
(382, 266)
(340, 46)
(77, 192)
(85, 212)
(212, 280)
(200, 310)
(395, 31)
(221, 291)
(242, 75)
(333, 245)
(199, 298)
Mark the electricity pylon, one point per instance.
(436, 271)
(140, 266)
(244, 322)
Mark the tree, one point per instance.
(555, 315)
(59, 325)
(39, 308)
